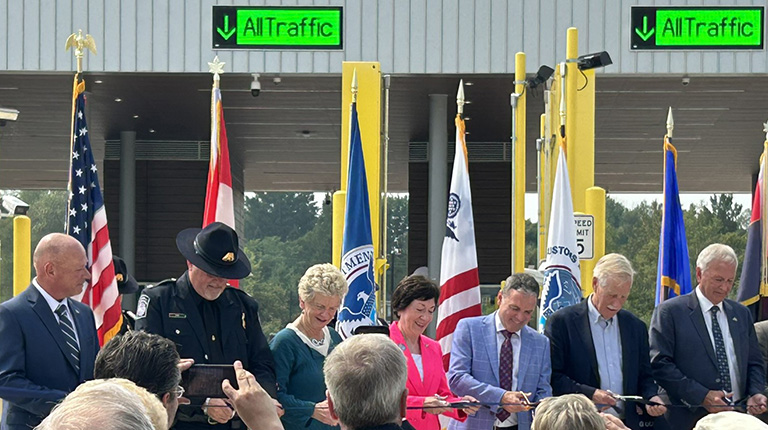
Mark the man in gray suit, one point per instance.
(498, 359)
(704, 350)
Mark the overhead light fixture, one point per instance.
(544, 73)
(593, 61)
(118, 100)
(8, 114)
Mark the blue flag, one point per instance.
(357, 257)
(673, 276)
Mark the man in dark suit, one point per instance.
(703, 346)
(208, 320)
(49, 340)
(601, 350)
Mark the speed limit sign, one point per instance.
(585, 236)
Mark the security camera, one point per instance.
(686, 81)
(255, 85)
(277, 80)
(14, 205)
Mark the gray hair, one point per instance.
(613, 266)
(366, 377)
(569, 411)
(521, 282)
(323, 279)
(716, 252)
(117, 404)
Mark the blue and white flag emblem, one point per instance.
(357, 254)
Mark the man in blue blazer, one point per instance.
(477, 368)
(703, 346)
(601, 350)
(40, 362)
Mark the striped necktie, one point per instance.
(720, 354)
(69, 335)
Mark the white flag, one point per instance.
(561, 268)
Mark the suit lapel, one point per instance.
(489, 336)
(733, 327)
(526, 352)
(185, 303)
(43, 311)
(628, 349)
(697, 319)
(585, 334)
(429, 355)
(397, 336)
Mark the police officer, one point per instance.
(208, 320)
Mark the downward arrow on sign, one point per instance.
(646, 33)
(226, 33)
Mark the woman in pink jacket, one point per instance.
(414, 303)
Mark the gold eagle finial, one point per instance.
(79, 42)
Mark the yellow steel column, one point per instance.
(22, 253)
(518, 168)
(579, 123)
(595, 206)
(369, 115)
(543, 150)
(339, 206)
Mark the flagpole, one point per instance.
(763, 288)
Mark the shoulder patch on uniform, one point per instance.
(141, 307)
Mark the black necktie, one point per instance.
(720, 354)
(69, 334)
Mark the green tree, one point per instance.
(284, 215)
(47, 211)
(278, 265)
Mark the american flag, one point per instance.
(87, 222)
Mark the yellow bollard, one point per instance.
(22, 253)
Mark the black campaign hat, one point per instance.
(215, 250)
(126, 284)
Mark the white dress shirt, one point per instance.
(607, 340)
(53, 304)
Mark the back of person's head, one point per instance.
(569, 411)
(366, 377)
(730, 420)
(115, 404)
(147, 359)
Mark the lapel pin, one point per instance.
(402, 347)
(735, 320)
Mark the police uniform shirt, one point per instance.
(210, 313)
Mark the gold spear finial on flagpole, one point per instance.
(460, 98)
(354, 86)
(78, 42)
(765, 129)
(217, 68)
(670, 123)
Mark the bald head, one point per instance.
(60, 264)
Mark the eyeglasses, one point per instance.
(178, 391)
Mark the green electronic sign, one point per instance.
(697, 28)
(264, 27)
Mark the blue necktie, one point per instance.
(69, 334)
(720, 354)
